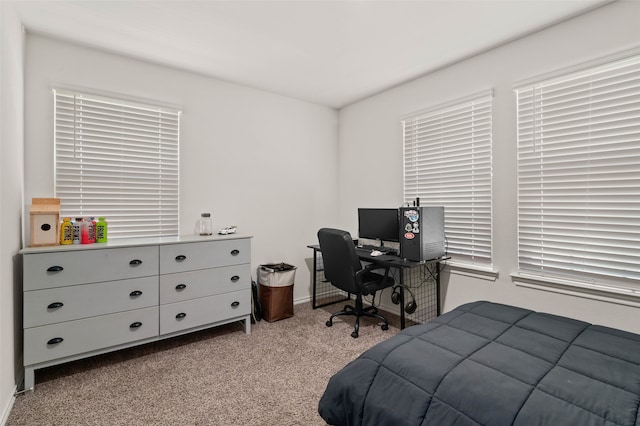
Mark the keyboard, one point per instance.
(386, 250)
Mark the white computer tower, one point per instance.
(422, 233)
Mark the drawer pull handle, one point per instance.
(135, 262)
(235, 304)
(235, 252)
(181, 315)
(55, 341)
(135, 293)
(235, 278)
(180, 257)
(55, 269)
(55, 305)
(136, 324)
(181, 287)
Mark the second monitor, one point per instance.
(379, 224)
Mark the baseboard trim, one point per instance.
(7, 409)
(302, 300)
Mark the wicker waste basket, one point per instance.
(276, 290)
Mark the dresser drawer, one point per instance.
(203, 255)
(204, 282)
(49, 270)
(42, 307)
(44, 344)
(194, 313)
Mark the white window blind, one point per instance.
(447, 162)
(579, 176)
(117, 159)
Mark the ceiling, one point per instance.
(329, 52)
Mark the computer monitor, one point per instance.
(378, 224)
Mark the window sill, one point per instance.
(483, 272)
(601, 292)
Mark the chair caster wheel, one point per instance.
(354, 334)
(384, 327)
(329, 323)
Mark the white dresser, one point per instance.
(83, 300)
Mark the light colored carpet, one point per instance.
(274, 376)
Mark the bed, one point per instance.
(490, 364)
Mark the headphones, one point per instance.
(411, 306)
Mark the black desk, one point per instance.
(403, 267)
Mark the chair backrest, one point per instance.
(340, 259)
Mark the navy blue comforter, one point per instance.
(490, 364)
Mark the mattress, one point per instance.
(490, 364)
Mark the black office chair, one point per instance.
(343, 269)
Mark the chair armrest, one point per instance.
(369, 268)
(370, 282)
(373, 267)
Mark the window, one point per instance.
(117, 159)
(447, 162)
(579, 177)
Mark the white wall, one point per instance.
(11, 171)
(268, 164)
(370, 139)
(263, 162)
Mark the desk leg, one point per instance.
(314, 273)
(402, 318)
(438, 310)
